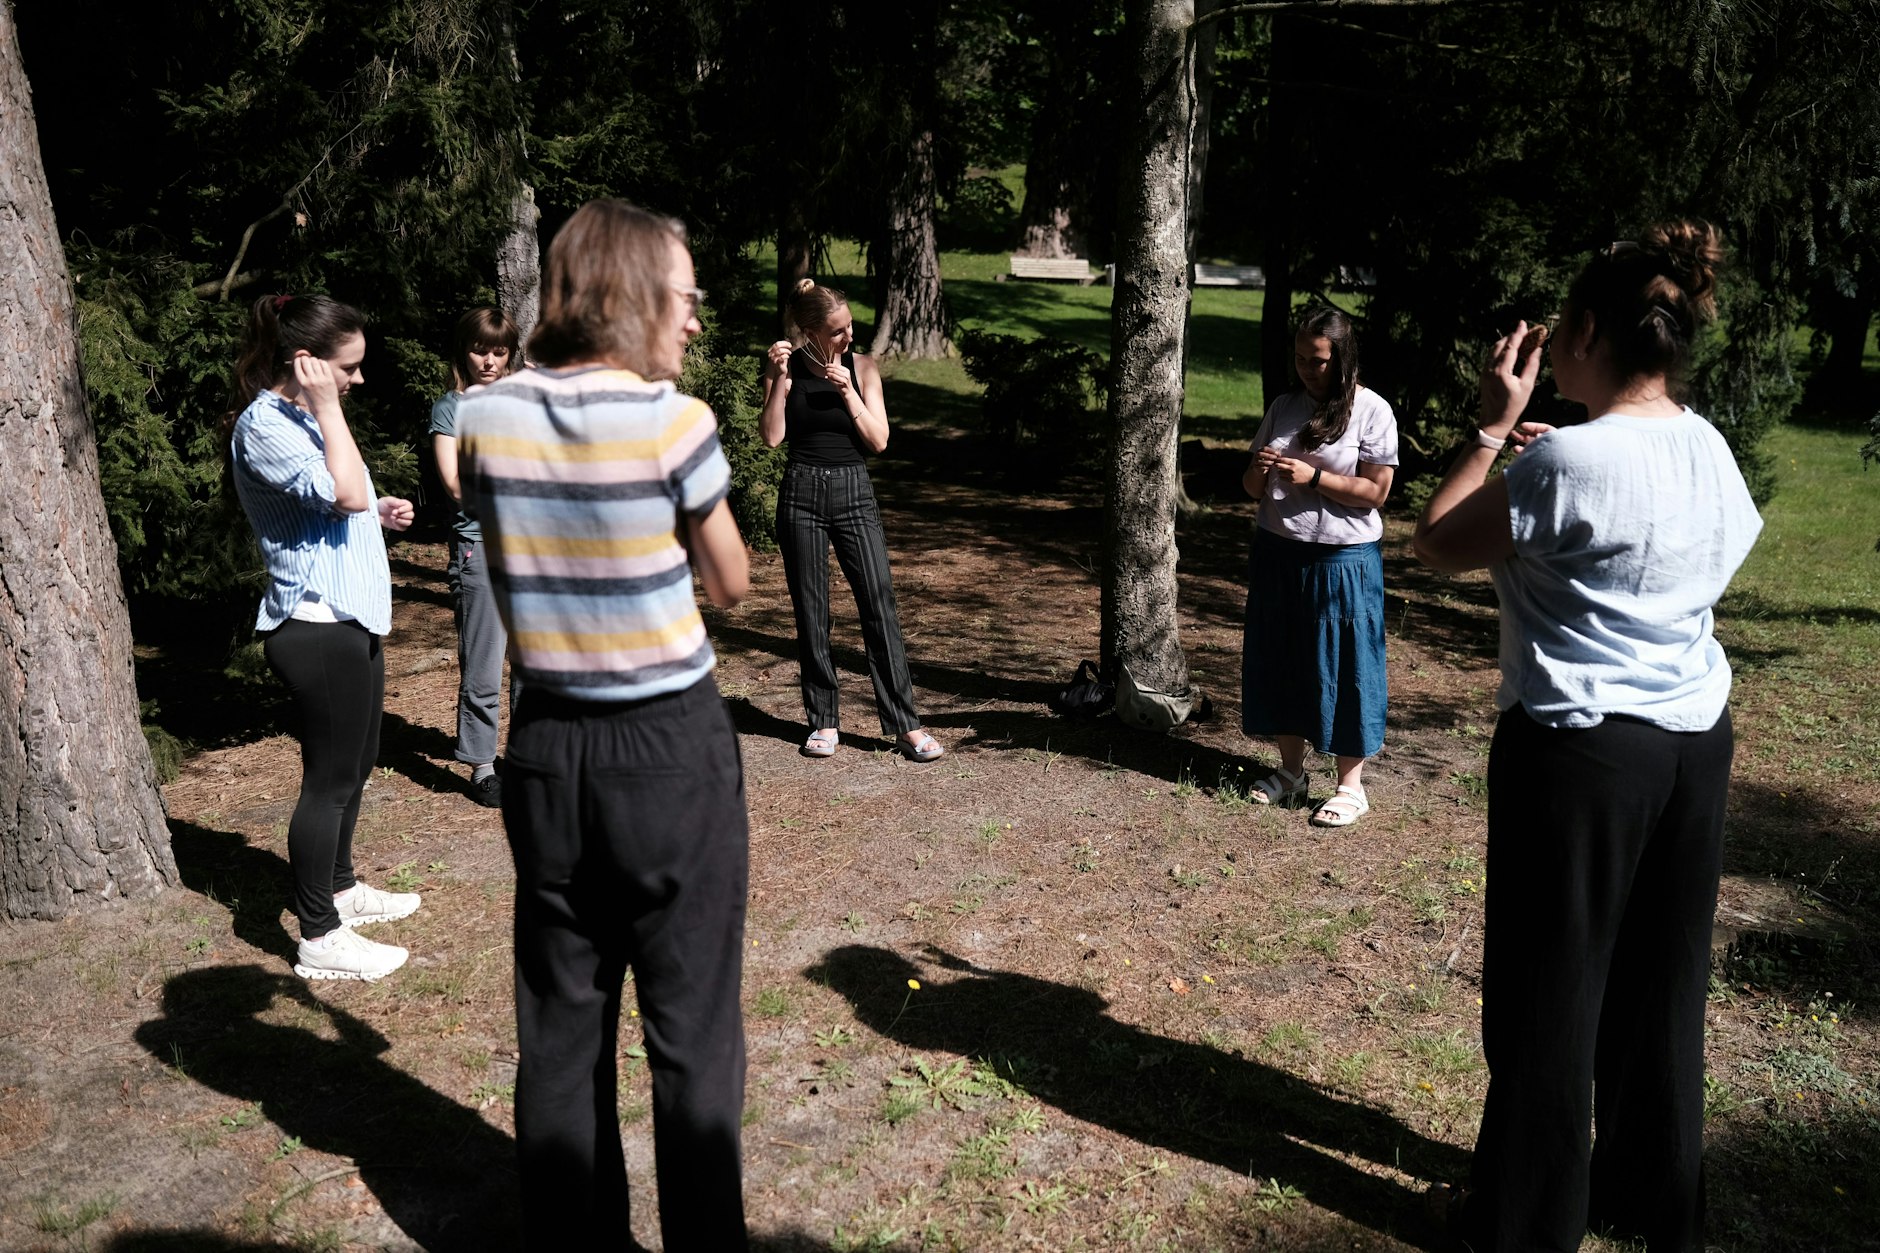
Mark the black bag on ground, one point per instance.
(1088, 694)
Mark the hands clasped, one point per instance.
(1292, 469)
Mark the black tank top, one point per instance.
(816, 422)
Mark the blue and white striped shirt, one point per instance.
(310, 545)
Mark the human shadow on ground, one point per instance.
(442, 1173)
(206, 1240)
(1059, 1044)
(413, 750)
(252, 882)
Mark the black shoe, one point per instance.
(487, 791)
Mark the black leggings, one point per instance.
(1604, 848)
(336, 673)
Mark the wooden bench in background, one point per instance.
(1059, 269)
(1228, 276)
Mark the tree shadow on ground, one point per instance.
(205, 1240)
(442, 1173)
(1059, 1044)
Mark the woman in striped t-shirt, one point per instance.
(306, 492)
(600, 488)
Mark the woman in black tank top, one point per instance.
(826, 402)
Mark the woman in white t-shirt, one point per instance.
(1609, 542)
(1313, 661)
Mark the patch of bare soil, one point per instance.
(1065, 988)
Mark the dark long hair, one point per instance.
(278, 327)
(1649, 297)
(479, 330)
(1327, 423)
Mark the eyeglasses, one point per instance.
(693, 297)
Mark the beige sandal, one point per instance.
(1345, 806)
(1280, 788)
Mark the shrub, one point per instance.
(1041, 389)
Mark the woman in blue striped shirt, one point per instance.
(308, 497)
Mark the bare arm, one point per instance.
(869, 409)
(718, 553)
(444, 448)
(770, 422)
(320, 390)
(1465, 526)
(1367, 489)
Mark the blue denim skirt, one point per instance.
(1312, 664)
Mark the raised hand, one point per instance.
(317, 382)
(1508, 376)
(777, 361)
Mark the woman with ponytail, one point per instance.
(328, 604)
(1609, 542)
(1312, 667)
(826, 402)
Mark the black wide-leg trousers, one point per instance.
(335, 672)
(822, 505)
(1604, 851)
(628, 827)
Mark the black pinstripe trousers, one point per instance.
(822, 505)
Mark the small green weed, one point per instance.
(404, 878)
(772, 1003)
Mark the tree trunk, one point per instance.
(1276, 254)
(80, 815)
(1058, 166)
(1200, 127)
(519, 263)
(912, 321)
(1846, 320)
(1148, 326)
(795, 247)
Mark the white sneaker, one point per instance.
(366, 903)
(342, 954)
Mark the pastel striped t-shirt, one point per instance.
(578, 478)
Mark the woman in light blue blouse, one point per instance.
(1609, 543)
(308, 497)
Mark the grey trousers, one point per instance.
(481, 644)
(818, 506)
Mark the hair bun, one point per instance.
(1693, 253)
(804, 285)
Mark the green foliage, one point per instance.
(728, 383)
(1041, 390)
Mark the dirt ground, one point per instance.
(1149, 1014)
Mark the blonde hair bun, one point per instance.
(804, 285)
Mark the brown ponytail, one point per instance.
(278, 327)
(1649, 297)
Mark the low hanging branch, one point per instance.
(234, 267)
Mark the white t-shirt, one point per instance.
(1626, 532)
(1298, 512)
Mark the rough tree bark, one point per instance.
(80, 815)
(1148, 328)
(913, 321)
(795, 250)
(519, 263)
(1059, 166)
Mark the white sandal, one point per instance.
(1345, 806)
(1279, 788)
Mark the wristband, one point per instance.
(1314, 484)
(1484, 440)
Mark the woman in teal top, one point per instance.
(486, 347)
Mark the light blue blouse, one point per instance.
(309, 544)
(1626, 531)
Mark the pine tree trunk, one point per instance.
(1148, 326)
(81, 819)
(1058, 169)
(795, 248)
(519, 263)
(913, 319)
(1276, 356)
